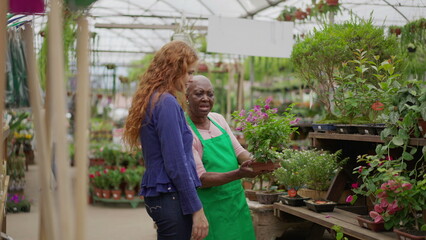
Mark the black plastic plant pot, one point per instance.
(320, 205)
(366, 129)
(293, 201)
(345, 128)
(324, 127)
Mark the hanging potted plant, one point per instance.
(266, 132)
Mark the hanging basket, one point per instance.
(332, 2)
(26, 6)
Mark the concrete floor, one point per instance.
(104, 222)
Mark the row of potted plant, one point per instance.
(106, 182)
(110, 154)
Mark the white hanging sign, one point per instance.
(250, 37)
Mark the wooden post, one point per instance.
(82, 127)
(43, 159)
(230, 92)
(3, 47)
(56, 75)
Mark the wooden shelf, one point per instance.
(360, 138)
(338, 217)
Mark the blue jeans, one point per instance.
(167, 214)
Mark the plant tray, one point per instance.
(293, 201)
(324, 127)
(320, 205)
(410, 235)
(345, 128)
(366, 129)
(366, 222)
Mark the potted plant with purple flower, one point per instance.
(266, 132)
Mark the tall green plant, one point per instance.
(319, 55)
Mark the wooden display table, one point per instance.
(269, 227)
(344, 219)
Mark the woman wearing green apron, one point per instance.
(217, 154)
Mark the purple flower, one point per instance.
(268, 100)
(274, 110)
(242, 113)
(349, 198)
(267, 107)
(257, 108)
(295, 121)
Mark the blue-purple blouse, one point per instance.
(167, 151)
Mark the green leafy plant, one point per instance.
(363, 86)
(312, 169)
(290, 174)
(265, 131)
(133, 177)
(339, 232)
(320, 167)
(116, 177)
(319, 55)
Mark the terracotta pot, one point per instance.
(288, 18)
(332, 2)
(130, 194)
(247, 184)
(292, 192)
(299, 14)
(264, 166)
(410, 235)
(116, 194)
(366, 222)
(98, 192)
(202, 67)
(106, 193)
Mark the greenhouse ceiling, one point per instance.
(125, 30)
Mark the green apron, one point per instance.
(225, 206)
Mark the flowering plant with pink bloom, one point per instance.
(266, 132)
(398, 197)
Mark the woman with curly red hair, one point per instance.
(156, 122)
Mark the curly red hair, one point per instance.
(166, 73)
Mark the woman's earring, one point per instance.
(187, 102)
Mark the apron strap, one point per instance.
(194, 128)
